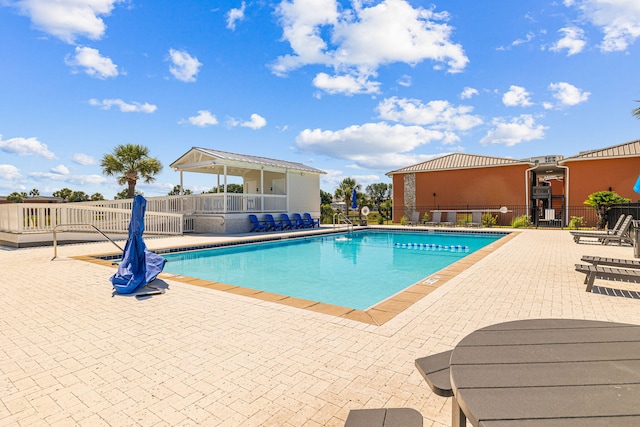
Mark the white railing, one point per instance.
(44, 217)
(164, 215)
(217, 203)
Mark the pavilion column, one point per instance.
(287, 190)
(181, 185)
(262, 190)
(225, 189)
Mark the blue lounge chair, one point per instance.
(288, 224)
(257, 225)
(308, 220)
(299, 221)
(272, 224)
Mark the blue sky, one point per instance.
(354, 88)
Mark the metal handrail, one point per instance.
(344, 219)
(55, 240)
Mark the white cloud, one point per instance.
(519, 129)
(345, 84)
(517, 96)
(235, 15)
(438, 115)
(125, 107)
(203, 119)
(405, 81)
(68, 19)
(619, 20)
(184, 66)
(573, 41)
(26, 147)
(355, 42)
(83, 159)
(567, 94)
(371, 145)
(468, 92)
(9, 173)
(93, 63)
(256, 122)
(71, 179)
(60, 169)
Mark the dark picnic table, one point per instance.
(548, 372)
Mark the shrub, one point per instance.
(489, 220)
(520, 221)
(426, 217)
(575, 222)
(404, 220)
(380, 219)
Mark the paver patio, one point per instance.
(71, 354)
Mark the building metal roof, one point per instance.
(628, 149)
(224, 157)
(459, 161)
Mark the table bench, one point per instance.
(435, 370)
(384, 417)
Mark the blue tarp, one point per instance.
(636, 187)
(354, 201)
(138, 266)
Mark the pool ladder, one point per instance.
(339, 218)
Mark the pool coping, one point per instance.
(376, 315)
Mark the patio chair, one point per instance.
(257, 224)
(451, 219)
(577, 234)
(288, 224)
(299, 221)
(619, 236)
(476, 219)
(309, 220)
(594, 272)
(611, 262)
(272, 224)
(415, 219)
(435, 219)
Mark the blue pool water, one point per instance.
(356, 270)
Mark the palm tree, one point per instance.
(636, 112)
(344, 190)
(129, 163)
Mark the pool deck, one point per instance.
(71, 354)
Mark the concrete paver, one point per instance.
(71, 354)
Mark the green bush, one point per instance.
(576, 222)
(326, 214)
(489, 220)
(426, 217)
(521, 221)
(404, 220)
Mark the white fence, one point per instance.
(164, 215)
(209, 203)
(43, 217)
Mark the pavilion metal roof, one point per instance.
(628, 149)
(199, 159)
(460, 161)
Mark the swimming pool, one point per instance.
(355, 270)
